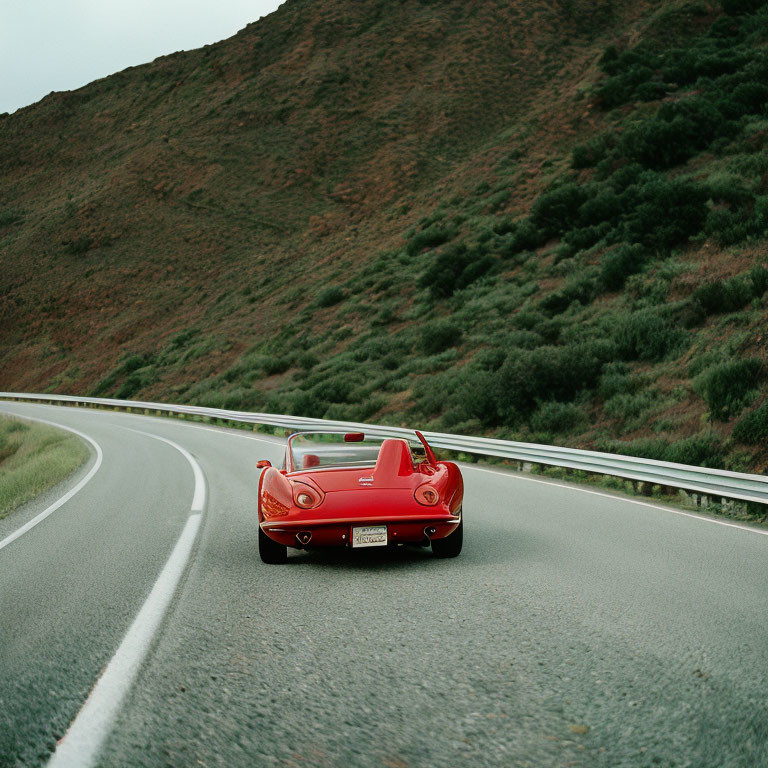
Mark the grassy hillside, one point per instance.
(542, 220)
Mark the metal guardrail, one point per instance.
(712, 482)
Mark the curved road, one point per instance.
(576, 628)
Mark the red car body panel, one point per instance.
(350, 497)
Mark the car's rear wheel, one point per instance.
(270, 551)
(450, 546)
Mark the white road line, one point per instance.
(704, 519)
(80, 746)
(198, 499)
(69, 494)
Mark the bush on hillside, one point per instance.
(525, 237)
(605, 207)
(668, 212)
(473, 397)
(9, 216)
(629, 406)
(616, 380)
(752, 428)
(620, 263)
(554, 212)
(725, 387)
(272, 365)
(726, 295)
(558, 418)
(698, 451)
(728, 227)
(453, 269)
(330, 296)
(557, 373)
(658, 144)
(581, 289)
(647, 335)
(439, 335)
(429, 238)
(759, 277)
(589, 154)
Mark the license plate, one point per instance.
(370, 536)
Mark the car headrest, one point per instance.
(310, 460)
(394, 458)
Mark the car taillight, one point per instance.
(305, 497)
(427, 495)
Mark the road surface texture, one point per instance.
(576, 628)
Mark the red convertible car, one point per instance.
(350, 490)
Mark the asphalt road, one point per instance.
(575, 629)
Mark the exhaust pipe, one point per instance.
(304, 537)
(430, 531)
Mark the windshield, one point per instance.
(321, 450)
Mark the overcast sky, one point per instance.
(60, 45)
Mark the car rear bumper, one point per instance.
(325, 532)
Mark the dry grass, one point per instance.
(33, 458)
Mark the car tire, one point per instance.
(270, 551)
(450, 546)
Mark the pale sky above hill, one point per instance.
(60, 45)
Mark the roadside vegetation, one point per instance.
(596, 318)
(33, 458)
(564, 241)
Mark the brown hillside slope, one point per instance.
(265, 157)
(174, 231)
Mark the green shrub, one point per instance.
(548, 373)
(558, 418)
(588, 155)
(659, 144)
(605, 207)
(554, 212)
(336, 389)
(752, 428)
(135, 371)
(584, 237)
(275, 364)
(581, 289)
(667, 213)
(616, 380)
(525, 237)
(429, 238)
(473, 397)
(629, 406)
(439, 335)
(137, 380)
(647, 335)
(9, 217)
(454, 269)
(330, 296)
(698, 451)
(307, 361)
(726, 295)
(759, 277)
(618, 264)
(725, 387)
(300, 404)
(728, 227)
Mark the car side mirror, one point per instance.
(263, 464)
